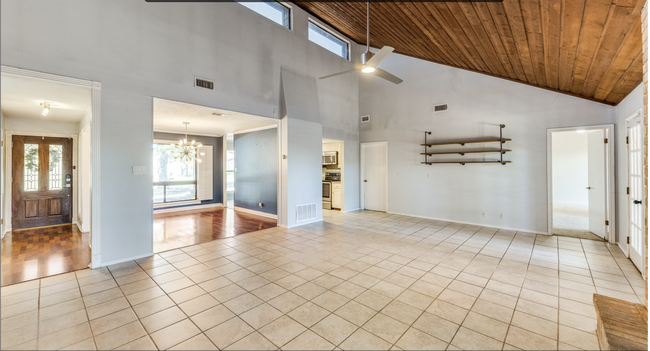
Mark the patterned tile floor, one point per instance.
(359, 280)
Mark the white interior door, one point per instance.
(373, 173)
(635, 203)
(597, 187)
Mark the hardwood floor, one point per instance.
(40, 252)
(178, 229)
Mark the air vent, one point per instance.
(365, 119)
(203, 83)
(440, 108)
(306, 212)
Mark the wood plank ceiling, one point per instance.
(585, 48)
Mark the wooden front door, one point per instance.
(42, 181)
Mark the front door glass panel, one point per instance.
(31, 167)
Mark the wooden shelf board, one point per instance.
(461, 162)
(464, 152)
(461, 142)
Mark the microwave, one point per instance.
(330, 158)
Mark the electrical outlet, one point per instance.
(260, 204)
(428, 175)
(138, 170)
(501, 215)
(484, 214)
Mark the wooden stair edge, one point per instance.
(614, 320)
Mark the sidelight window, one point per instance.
(56, 167)
(31, 167)
(173, 180)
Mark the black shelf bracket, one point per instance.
(501, 126)
(425, 147)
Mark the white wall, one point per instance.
(477, 105)
(626, 108)
(570, 172)
(40, 126)
(138, 50)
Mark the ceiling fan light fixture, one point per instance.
(367, 69)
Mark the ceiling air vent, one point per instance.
(440, 108)
(365, 119)
(203, 83)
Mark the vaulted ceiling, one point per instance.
(586, 48)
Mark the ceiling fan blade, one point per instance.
(380, 56)
(389, 77)
(337, 74)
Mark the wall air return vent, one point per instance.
(440, 108)
(365, 119)
(203, 83)
(306, 212)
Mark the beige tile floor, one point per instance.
(360, 280)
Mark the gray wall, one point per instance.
(138, 50)
(217, 161)
(477, 105)
(256, 175)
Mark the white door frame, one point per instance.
(95, 211)
(610, 181)
(362, 172)
(627, 181)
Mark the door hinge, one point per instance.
(2, 143)
(628, 240)
(606, 222)
(605, 140)
(2, 221)
(627, 140)
(628, 190)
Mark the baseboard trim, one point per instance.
(133, 258)
(186, 208)
(257, 213)
(471, 223)
(304, 223)
(356, 209)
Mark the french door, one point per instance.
(635, 200)
(42, 181)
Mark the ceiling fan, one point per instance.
(370, 61)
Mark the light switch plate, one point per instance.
(138, 170)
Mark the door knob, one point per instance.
(365, 181)
(637, 202)
(588, 188)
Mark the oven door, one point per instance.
(327, 191)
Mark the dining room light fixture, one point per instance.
(186, 151)
(46, 108)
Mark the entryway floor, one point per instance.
(41, 252)
(179, 229)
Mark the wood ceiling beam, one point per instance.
(551, 21)
(498, 14)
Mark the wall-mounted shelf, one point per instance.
(464, 162)
(501, 151)
(463, 142)
(462, 153)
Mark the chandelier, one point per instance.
(186, 151)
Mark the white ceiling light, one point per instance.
(46, 108)
(580, 131)
(186, 151)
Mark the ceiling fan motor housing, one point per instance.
(366, 56)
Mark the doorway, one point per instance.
(45, 229)
(580, 182)
(374, 176)
(635, 205)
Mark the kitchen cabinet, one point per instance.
(336, 195)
